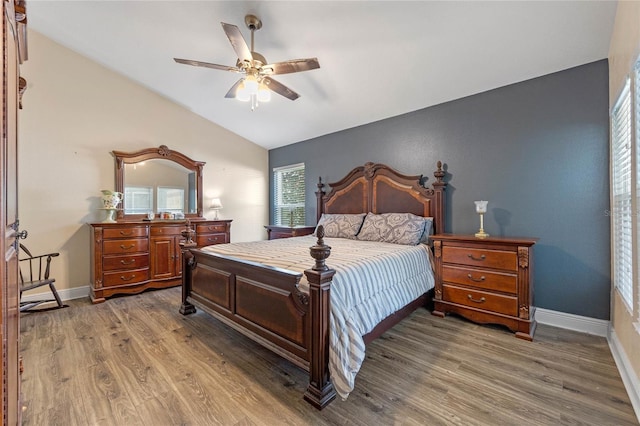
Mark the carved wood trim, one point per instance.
(405, 187)
(162, 152)
(523, 257)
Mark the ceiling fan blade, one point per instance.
(295, 65)
(231, 94)
(207, 65)
(280, 88)
(237, 42)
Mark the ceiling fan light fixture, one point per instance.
(264, 93)
(242, 94)
(251, 84)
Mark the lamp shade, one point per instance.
(215, 204)
(481, 206)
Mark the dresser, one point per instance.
(280, 231)
(486, 280)
(130, 257)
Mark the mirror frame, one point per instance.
(162, 153)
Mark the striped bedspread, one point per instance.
(372, 281)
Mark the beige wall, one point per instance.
(623, 52)
(75, 113)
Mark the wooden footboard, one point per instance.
(265, 304)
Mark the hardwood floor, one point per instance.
(136, 361)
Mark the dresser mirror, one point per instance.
(159, 181)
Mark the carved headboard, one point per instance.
(378, 188)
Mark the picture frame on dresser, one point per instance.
(486, 280)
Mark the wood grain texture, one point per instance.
(137, 361)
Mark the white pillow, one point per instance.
(341, 225)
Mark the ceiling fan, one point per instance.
(256, 84)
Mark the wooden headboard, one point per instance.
(378, 188)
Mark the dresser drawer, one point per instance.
(507, 305)
(496, 259)
(495, 281)
(125, 277)
(132, 245)
(157, 231)
(134, 261)
(128, 232)
(207, 240)
(211, 228)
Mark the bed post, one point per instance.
(319, 195)
(439, 186)
(188, 263)
(320, 391)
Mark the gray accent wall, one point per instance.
(538, 151)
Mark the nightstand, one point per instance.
(279, 231)
(486, 280)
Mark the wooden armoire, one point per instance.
(14, 52)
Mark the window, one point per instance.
(138, 199)
(289, 195)
(170, 199)
(621, 189)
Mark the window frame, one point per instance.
(297, 213)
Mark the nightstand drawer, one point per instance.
(507, 305)
(495, 259)
(495, 281)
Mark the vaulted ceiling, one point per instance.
(378, 58)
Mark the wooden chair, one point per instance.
(34, 273)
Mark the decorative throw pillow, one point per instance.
(341, 225)
(428, 230)
(398, 228)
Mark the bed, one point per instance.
(289, 309)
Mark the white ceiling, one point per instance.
(378, 58)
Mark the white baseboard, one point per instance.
(587, 325)
(65, 294)
(629, 378)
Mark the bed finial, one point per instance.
(320, 252)
(439, 174)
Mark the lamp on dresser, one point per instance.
(216, 205)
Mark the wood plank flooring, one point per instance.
(136, 361)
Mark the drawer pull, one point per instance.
(126, 233)
(478, 280)
(482, 299)
(477, 259)
(129, 262)
(123, 247)
(122, 277)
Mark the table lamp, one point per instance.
(481, 209)
(215, 206)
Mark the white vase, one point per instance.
(111, 199)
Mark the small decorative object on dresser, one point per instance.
(110, 201)
(280, 231)
(488, 280)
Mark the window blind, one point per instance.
(622, 200)
(289, 195)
